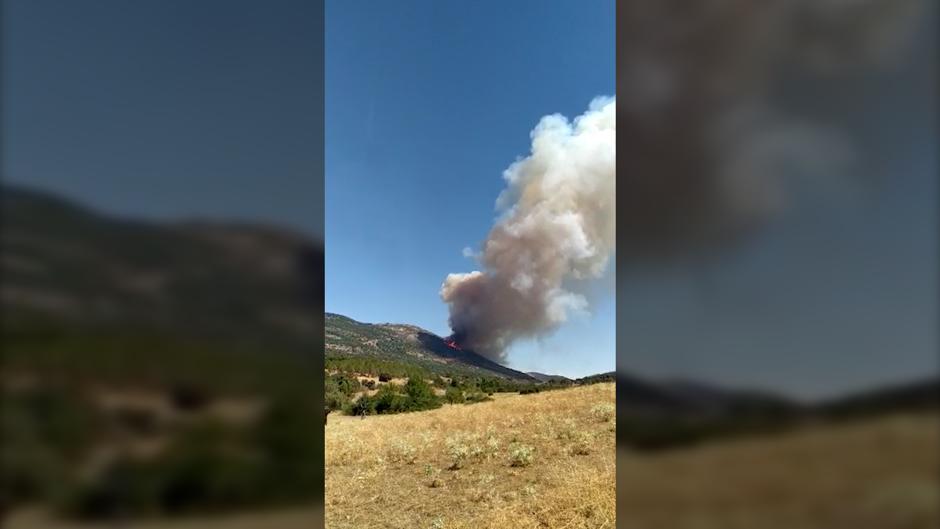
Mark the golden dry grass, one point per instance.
(545, 460)
(392, 471)
(882, 473)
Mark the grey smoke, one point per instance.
(709, 152)
(557, 227)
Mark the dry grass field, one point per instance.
(547, 460)
(882, 473)
(520, 461)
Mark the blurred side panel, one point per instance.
(777, 293)
(162, 264)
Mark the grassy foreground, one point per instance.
(393, 471)
(879, 473)
(521, 461)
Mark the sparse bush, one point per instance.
(661, 433)
(454, 396)
(463, 448)
(44, 431)
(198, 471)
(30, 469)
(390, 401)
(416, 395)
(420, 395)
(401, 451)
(568, 430)
(364, 406)
(492, 445)
(215, 466)
(583, 444)
(521, 455)
(347, 385)
(335, 400)
(369, 384)
(474, 397)
(459, 451)
(604, 412)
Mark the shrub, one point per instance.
(44, 431)
(364, 406)
(385, 377)
(30, 469)
(416, 395)
(604, 412)
(454, 396)
(420, 395)
(459, 451)
(476, 396)
(213, 466)
(335, 400)
(63, 419)
(582, 445)
(369, 384)
(201, 470)
(660, 433)
(401, 451)
(286, 439)
(390, 401)
(343, 383)
(521, 455)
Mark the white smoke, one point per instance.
(710, 91)
(557, 229)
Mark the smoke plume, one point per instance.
(557, 229)
(712, 145)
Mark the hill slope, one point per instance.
(408, 344)
(69, 264)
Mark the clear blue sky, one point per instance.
(427, 103)
(168, 108)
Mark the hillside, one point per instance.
(149, 344)
(229, 306)
(542, 377)
(407, 344)
(65, 264)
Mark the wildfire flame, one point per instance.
(452, 343)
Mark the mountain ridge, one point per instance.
(70, 264)
(347, 337)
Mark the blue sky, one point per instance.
(168, 108)
(837, 294)
(171, 109)
(427, 103)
